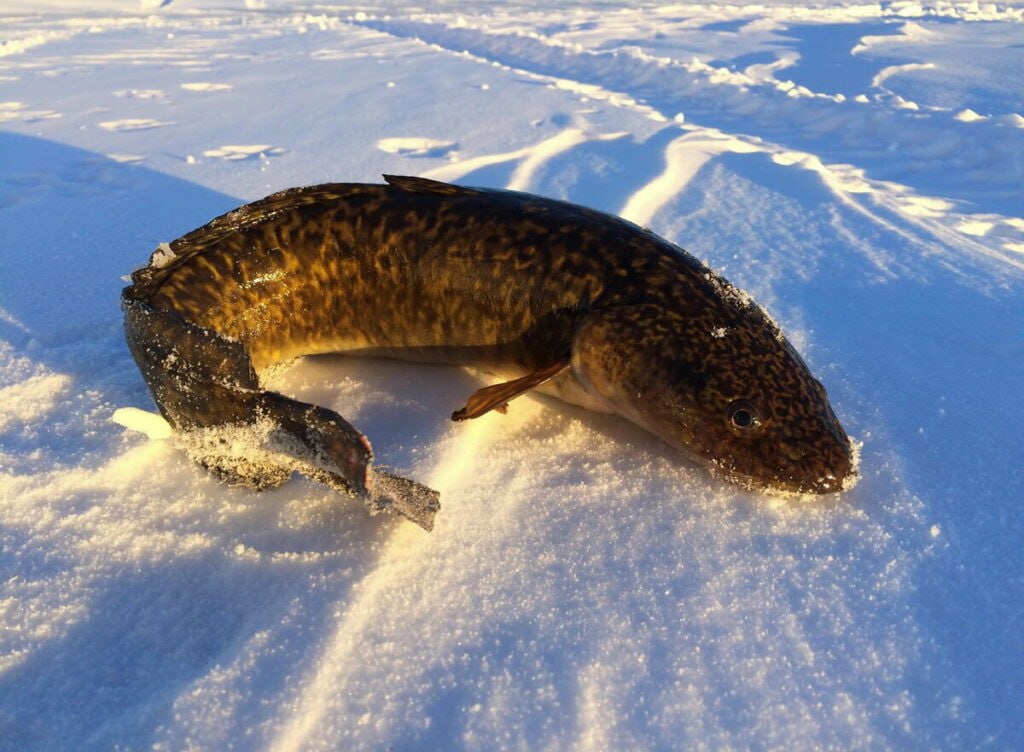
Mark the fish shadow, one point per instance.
(130, 637)
(75, 223)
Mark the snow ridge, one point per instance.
(813, 125)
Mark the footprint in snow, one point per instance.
(132, 124)
(416, 147)
(126, 158)
(141, 93)
(205, 86)
(19, 111)
(234, 152)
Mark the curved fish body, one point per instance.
(547, 294)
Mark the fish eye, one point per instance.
(743, 417)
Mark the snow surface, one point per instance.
(858, 168)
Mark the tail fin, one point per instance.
(201, 380)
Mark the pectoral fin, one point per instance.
(497, 397)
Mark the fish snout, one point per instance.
(815, 468)
(832, 468)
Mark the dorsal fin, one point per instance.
(426, 185)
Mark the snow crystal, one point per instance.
(162, 256)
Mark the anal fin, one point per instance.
(497, 396)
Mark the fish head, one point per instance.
(724, 386)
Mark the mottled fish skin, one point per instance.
(506, 281)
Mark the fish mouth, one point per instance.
(795, 481)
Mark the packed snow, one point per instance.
(856, 167)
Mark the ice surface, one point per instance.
(855, 167)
